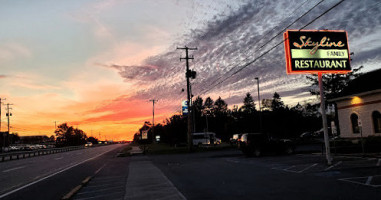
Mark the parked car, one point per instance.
(235, 139)
(258, 143)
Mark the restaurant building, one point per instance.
(359, 106)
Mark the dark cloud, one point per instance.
(234, 39)
(3, 76)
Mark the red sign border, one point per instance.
(288, 55)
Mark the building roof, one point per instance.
(365, 83)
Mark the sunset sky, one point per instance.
(96, 64)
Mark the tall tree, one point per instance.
(277, 103)
(208, 103)
(332, 83)
(248, 104)
(67, 135)
(220, 106)
(198, 104)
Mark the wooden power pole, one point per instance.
(189, 74)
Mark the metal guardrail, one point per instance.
(28, 154)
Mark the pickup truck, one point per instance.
(258, 143)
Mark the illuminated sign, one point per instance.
(184, 107)
(316, 52)
(144, 134)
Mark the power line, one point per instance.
(268, 42)
(265, 53)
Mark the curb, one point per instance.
(76, 189)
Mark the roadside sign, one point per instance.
(145, 135)
(315, 51)
(184, 107)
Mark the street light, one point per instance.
(259, 104)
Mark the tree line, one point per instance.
(69, 136)
(275, 118)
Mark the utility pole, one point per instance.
(153, 119)
(0, 111)
(191, 104)
(8, 113)
(259, 104)
(55, 125)
(189, 74)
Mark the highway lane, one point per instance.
(51, 176)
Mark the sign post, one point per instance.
(325, 124)
(317, 52)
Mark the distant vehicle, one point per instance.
(205, 138)
(89, 144)
(258, 143)
(235, 139)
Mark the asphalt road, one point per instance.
(52, 176)
(230, 175)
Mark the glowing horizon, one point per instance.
(96, 64)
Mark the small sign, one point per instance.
(184, 107)
(316, 51)
(145, 135)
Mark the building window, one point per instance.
(355, 123)
(376, 116)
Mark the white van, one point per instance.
(205, 138)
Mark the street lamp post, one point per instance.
(259, 104)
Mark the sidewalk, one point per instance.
(146, 181)
(128, 178)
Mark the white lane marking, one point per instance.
(290, 167)
(48, 176)
(379, 162)
(367, 183)
(100, 190)
(58, 158)
(12, 169)
(101, 196)
(96, 172)
(369, 180)
(307, 168)
(332, 166)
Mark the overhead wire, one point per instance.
(268, 42)
(266, 52)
